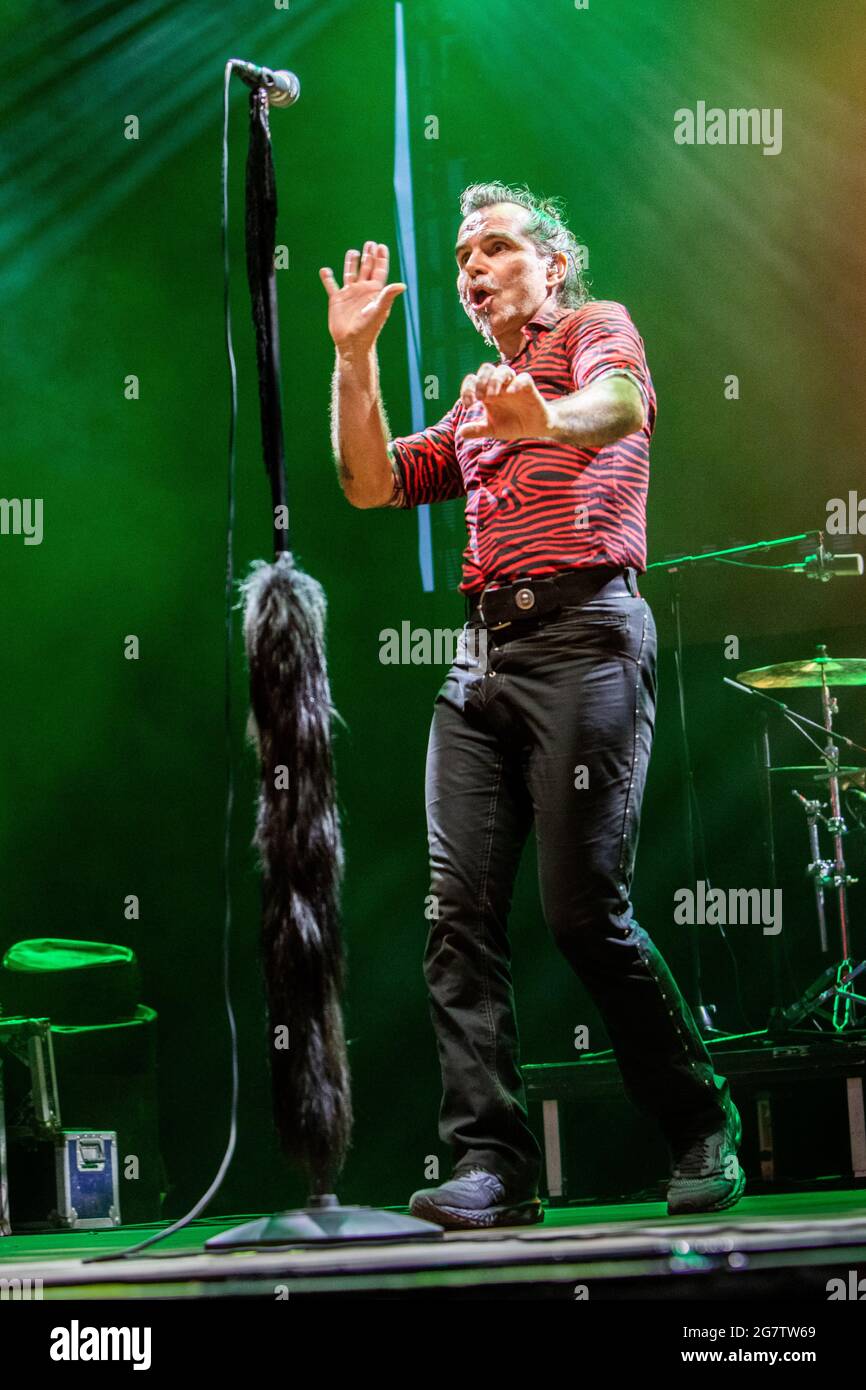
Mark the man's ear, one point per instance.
(558, 261)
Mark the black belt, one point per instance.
(533, 598)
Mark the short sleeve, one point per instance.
(425, 465)
(608, 344)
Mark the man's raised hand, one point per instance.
(514, 408)
(358, 310)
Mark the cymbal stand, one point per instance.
(833, 987)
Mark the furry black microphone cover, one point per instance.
(301, 856)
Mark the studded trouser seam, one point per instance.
(628, 796)
(480, 905)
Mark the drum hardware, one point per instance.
(821, 565)
(831, 998)
(819, 774)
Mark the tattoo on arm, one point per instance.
(398, 495)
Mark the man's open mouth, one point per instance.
(480, 297)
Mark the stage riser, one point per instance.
(802, 1112)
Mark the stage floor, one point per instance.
(767, 1246)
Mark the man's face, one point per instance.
(502, 280)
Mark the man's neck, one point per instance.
(510, 345)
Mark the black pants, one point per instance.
(552, 724)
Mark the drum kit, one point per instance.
(832, 1002)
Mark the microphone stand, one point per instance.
(298, 840)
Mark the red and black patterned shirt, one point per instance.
(536, 506)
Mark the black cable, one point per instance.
(748, 565)
(694, 814)
(207, 1197)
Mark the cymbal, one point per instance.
(817, 669)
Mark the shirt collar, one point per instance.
(547, 316)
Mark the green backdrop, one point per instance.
(732, 262)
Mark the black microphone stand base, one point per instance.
(703, 1016)
(829, 998)
(324, 1221)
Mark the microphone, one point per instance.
(283, 87)
(825, 565)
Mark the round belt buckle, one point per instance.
(524, 598)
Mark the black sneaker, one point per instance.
(705, 1171)
(474, 1197)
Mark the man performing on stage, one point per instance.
(546, 717)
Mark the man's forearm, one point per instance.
(599, 414)
(359, 430)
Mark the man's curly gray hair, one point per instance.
(546, 228)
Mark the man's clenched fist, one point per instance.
(513, 406)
